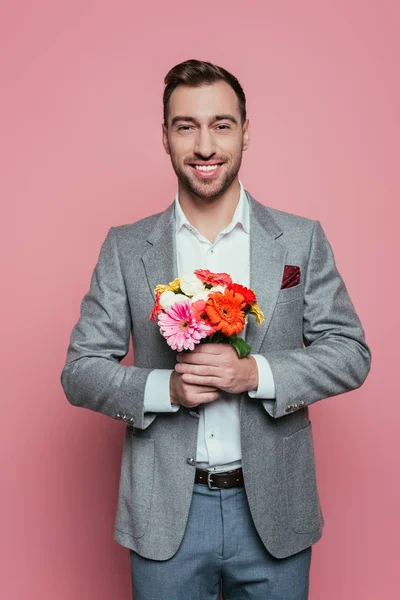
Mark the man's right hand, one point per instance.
(190, 395)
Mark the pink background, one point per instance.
(81, 87)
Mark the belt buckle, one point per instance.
(210, 486)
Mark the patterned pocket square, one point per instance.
(291, 276)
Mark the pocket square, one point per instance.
(291, 276)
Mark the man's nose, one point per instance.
(204, 142)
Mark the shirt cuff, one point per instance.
(156, 392)
(266, 384)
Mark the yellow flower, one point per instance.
(160, 288)
(173, 286)
(257, 312)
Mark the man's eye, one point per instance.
(223, 126)
(183, 127)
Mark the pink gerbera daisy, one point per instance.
(180, 328)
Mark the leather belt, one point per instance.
(217, 481)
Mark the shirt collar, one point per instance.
(240, 216)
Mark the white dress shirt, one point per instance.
(218, 441)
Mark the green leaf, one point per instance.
(241, 346)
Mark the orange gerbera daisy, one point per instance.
(224, 311)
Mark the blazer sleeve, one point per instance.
(93, 377)
(335, 357)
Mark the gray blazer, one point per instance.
(313, 340)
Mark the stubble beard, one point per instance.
(207, 189)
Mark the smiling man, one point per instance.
(218, 488)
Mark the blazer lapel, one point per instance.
(159, 260)
(267, 261)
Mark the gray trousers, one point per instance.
(221, 552)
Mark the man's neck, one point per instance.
(210, 217)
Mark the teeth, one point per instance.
(206, 167)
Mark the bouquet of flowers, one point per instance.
(204, 306)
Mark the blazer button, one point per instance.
(132, 421)
(191, 461)
(194, 413)
(118, 416)
(288, 409)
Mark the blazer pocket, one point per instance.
(291, 293)
(301, 484)
(142, 478)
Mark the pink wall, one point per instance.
(81, 85)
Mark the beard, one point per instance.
(207, 189)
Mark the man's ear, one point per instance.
(165, 139)
(246, 134)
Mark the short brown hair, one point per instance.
(195, 73)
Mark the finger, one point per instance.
(200, 380)
(205, 349)
(205, 398)
(193, 395)
(203, 370)
(202, 389)
(197, 358)
(202, 399)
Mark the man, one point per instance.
(218, 484)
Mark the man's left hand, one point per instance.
(218, 365)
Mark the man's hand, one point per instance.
(218, 366)
(190, 395)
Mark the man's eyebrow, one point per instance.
(225, 117)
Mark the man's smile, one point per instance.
(206, 170)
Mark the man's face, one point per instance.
(205, 137)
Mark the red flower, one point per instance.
(210, 278)
(248, 295)
(156, 308)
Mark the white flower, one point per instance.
(179, 298)
(201, 296)
(217, 288)
(190, 284)
(168, 298)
